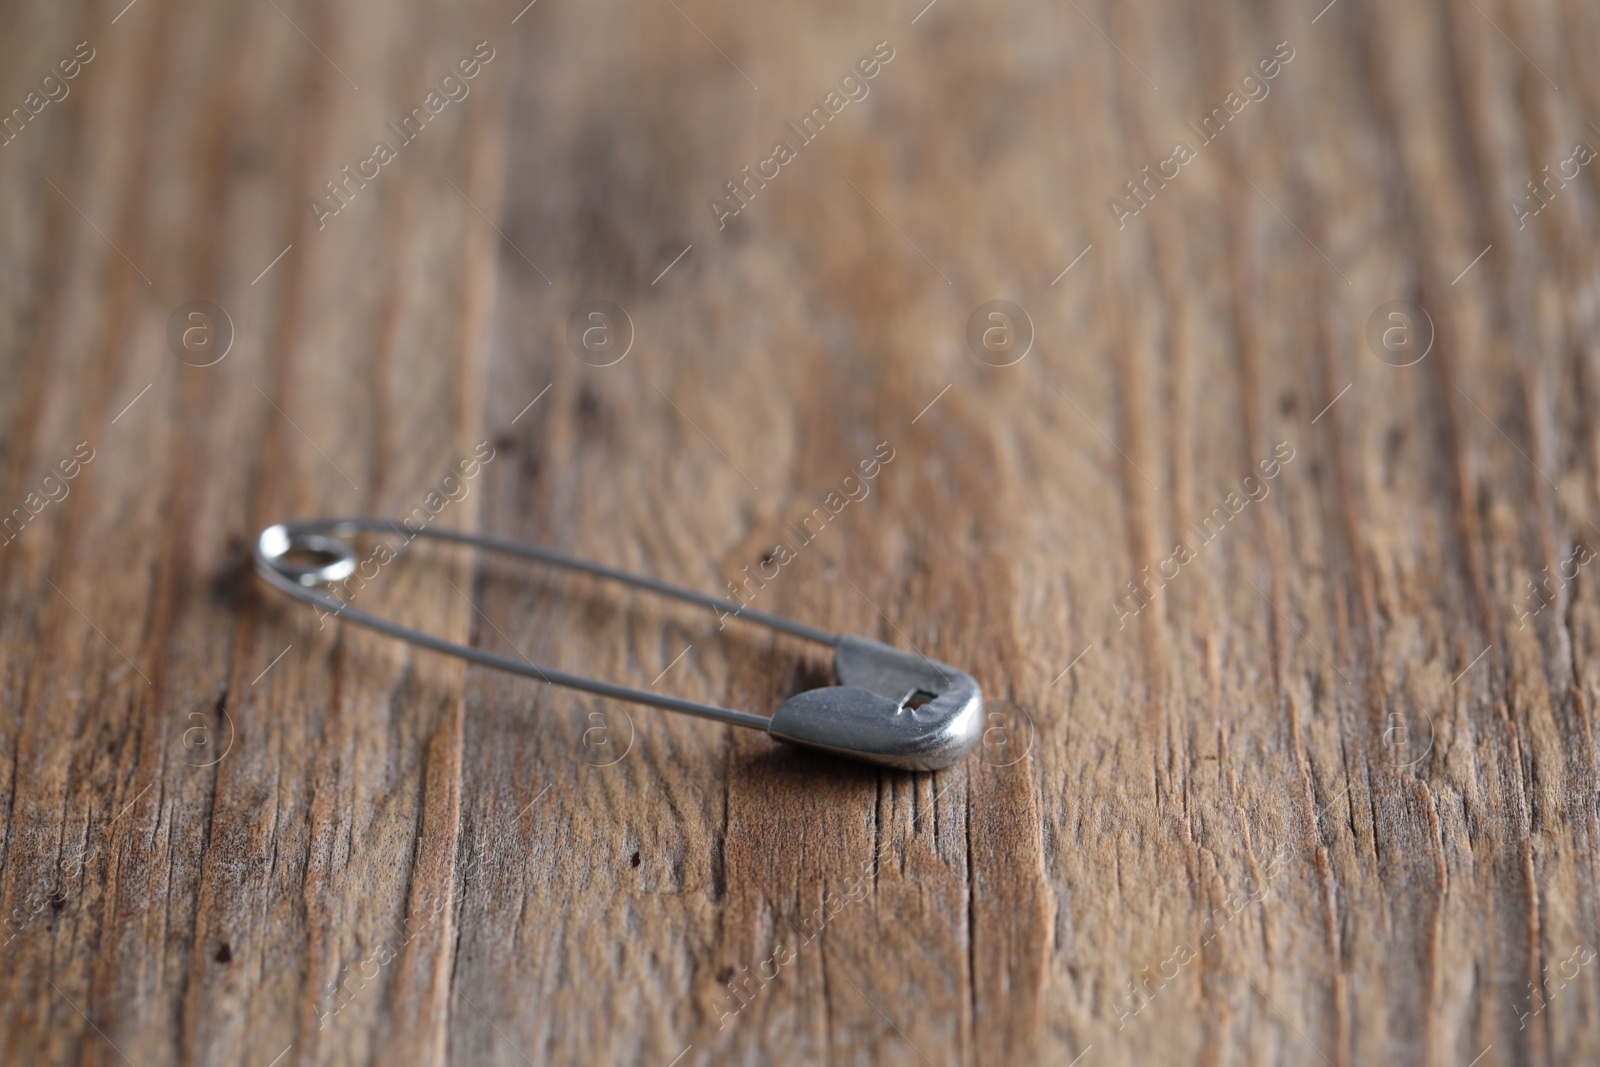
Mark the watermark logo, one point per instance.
(199, 333)
(205, 745)
(604, 743)
(1007, 735)
(1400, 333)
(1000, 333)
(600, 333)
(1398, 740)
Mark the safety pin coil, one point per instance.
(891, 707)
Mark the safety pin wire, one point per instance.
(325, 537)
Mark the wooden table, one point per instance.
(1262, 513)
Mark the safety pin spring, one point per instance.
(872, 714)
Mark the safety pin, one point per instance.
(890, 706)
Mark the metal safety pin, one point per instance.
(873, 713)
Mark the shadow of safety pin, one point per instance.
(890, 706)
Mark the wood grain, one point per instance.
(1295, 767)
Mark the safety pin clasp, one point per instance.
(891, 707)
(873, 713)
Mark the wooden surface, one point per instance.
(1323, 791)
